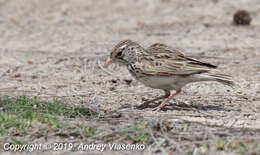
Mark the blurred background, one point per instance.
(73, 25)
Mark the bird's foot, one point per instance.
(142, 106)
(160, 107)
(145, 105)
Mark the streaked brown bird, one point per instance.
(162, 67)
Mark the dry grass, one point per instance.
(27, 120)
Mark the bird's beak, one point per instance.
(109, 61)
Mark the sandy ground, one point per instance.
(56, 49)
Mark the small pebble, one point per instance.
(242, 17)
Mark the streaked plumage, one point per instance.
(162, 67)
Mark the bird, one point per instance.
(163, 67)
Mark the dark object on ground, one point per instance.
(242, 17)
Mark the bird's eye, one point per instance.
(119, 54)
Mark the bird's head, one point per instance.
(124, 52)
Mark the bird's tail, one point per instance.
(224, 79)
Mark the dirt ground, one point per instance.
(57, 49)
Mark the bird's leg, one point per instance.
(167, 101)
(145, 104)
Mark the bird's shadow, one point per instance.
(186, 107)
(178, 105)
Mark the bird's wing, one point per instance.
(161, 59)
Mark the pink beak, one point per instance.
(108, 62)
